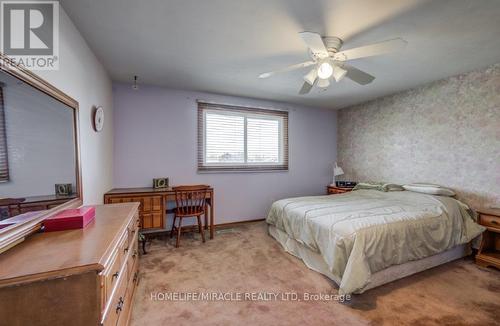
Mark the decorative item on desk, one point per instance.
(160, 183)
(346, 184)
(337, 170)
(70, 219)
(64, 189)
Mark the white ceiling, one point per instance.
(221, 46)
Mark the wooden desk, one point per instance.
(152, 204)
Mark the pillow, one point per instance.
(380, 186)
(393, 187)
(422, 184)
(429, 189)
(369, 186)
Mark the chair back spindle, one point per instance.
(190, 200)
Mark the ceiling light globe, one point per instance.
(325, 70)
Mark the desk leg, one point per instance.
(206, 216)
(212, 228)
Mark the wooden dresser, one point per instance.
(489, 251)
(74, 277)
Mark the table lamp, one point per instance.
(337, 170)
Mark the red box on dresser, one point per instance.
(70, 219)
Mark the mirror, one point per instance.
(39, 170)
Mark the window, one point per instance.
(232, 138)
(4, 164)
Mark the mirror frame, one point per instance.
(16, 233)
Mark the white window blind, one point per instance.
(4, 162)
(232, 138)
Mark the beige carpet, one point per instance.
(247, 260)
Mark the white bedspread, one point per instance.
(365, 231)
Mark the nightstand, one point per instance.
(331, 190)
(489, 251)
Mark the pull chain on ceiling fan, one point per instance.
(329, 63)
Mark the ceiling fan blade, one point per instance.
(315, 43)
(306, 88)
(357, 75)
(371, 50)
(323, 83)
(289, 68)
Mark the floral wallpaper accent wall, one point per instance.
(446, 132)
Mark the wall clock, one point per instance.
(98, 118)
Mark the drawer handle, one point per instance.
(494, 222)
(134, 254)
(119, 306)
(125, 250)
(115, 275)
(135, 276)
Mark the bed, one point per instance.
(366, 238)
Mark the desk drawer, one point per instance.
(151, 208)
(152, 203)
(152, 220)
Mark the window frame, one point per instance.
(246, 112)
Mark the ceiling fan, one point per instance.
(328, 62)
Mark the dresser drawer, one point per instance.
(117, 302)
(111, 276)
(112, 272)
(124, 247)
(132, 283)
(133, 228)
(490, 220)
(134, 256)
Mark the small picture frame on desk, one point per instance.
(159, 183)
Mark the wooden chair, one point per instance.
(190, 202)
(13, 205)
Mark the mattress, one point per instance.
(314, 261)
(360, 233)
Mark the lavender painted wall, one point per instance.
(155, 135)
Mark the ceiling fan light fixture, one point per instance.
(323, 83)
(325, 70)
(338, 73)
(311, 76)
